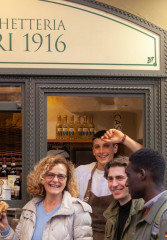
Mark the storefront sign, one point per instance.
(62, 34)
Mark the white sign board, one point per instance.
(62, 34)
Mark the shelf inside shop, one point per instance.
(69, 140)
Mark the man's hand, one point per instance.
(113, 136)
(116, 136)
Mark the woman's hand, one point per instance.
(3, 222)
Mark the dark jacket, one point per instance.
(111, 214)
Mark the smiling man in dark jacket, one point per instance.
(121, 214)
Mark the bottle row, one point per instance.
(10, 183)
(69, 128)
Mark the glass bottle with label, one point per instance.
(91, 127)
(78, 128)
(59, 129)
(85, 127)
(71, 128)
(17, 187)
(65, 127)
(4, 173)
(12, 176)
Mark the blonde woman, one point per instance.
(54, 213)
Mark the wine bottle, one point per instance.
(85, 127)
(91, 127)
(4, 173)
(59, 128)
(65, 127)
(78, 128)
(12, 176)
(71, 128)
(17, 188)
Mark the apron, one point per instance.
(99, 205)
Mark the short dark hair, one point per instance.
(121, 161)
(151, 161)
(98, 134)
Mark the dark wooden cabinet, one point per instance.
(78, 151)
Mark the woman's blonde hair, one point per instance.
(36, 178)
